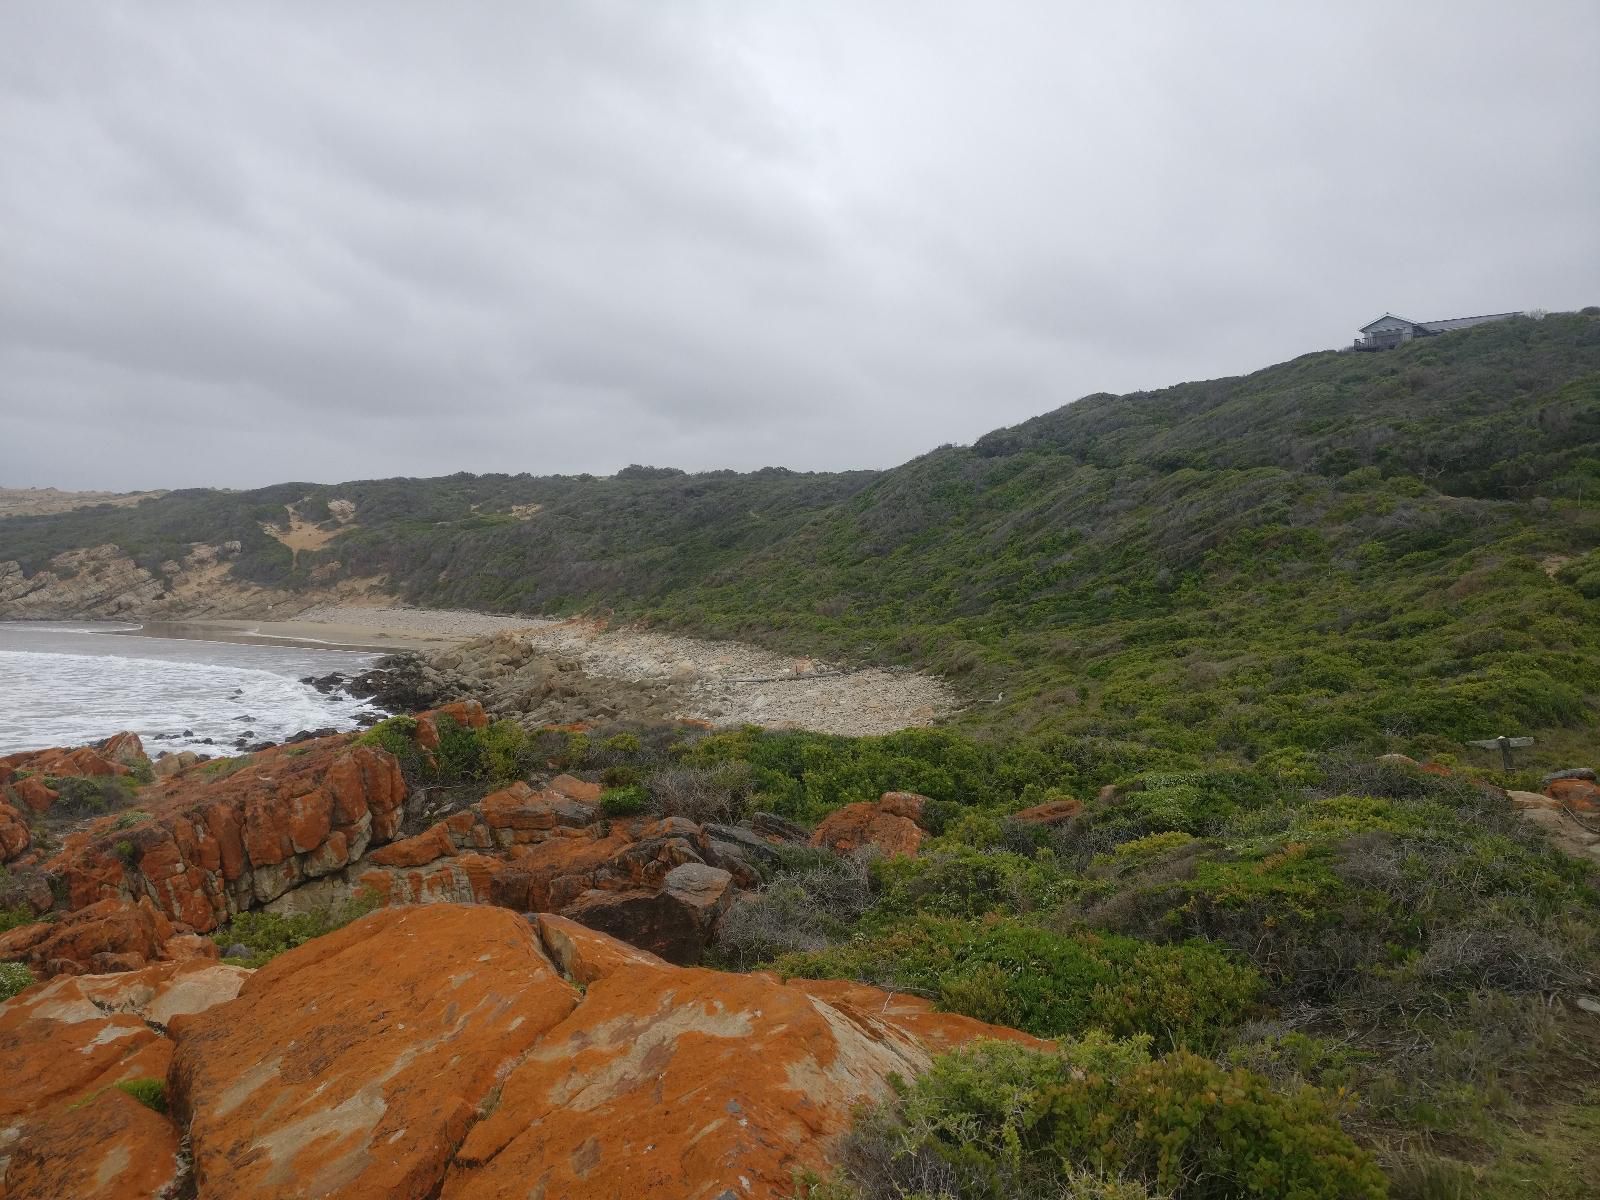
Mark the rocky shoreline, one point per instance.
(559, 672)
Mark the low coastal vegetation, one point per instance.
(1335, 944)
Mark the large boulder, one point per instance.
(229, 835)
(890, 825)
(65, 1127)
(355, 1065)
(471, 1053)
(14, 834)
(675, 920)
(661, 884)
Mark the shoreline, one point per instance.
(376, 630)
(723, 683)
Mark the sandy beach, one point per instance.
(348, 627)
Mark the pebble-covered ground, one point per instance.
(726, 683)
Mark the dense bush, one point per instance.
(1012, 973)
(266, 935)
(496, 754)
(1096, 1117)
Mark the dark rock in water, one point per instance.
(368, 719)
(306, 735)
(256, 747)
(398, 683)
(325, 683)
(188, 733)
(208, 741)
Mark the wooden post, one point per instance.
(1505, 745)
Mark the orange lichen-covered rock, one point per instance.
(66, 1129)
(1577, 795)
(109, 1147)
(34, 794)
(448, 1051)
(229, 835)
(117, 755)
(685, 1083)
(415, 851)
(354, 1065)
(14, 835)
(890, 825)
(110, 935)
(577, 789)
(463, 712)
(1052, 812)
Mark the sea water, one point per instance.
(69, 683)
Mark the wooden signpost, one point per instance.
(1505, 745)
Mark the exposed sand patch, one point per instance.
(303, 535)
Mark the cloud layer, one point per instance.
(252, 242)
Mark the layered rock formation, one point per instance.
(310, 824)
(66, 1129)
(448, 1051)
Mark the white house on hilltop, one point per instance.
(1389, 331)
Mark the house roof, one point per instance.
(1386, 317)
(1444, 326)
(1465, 322)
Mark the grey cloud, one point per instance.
(250, 242)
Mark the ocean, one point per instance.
(72, 682)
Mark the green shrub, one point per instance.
(506, 754)
(397, 735)
(1008, 972)
(621, 777)
(89, 796)
(624, 802)
(998, 1120)
(267, 935)
(964, 882)
(11, 918)
(14, 977)
(152, 1093)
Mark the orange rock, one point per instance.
(1052, 812)
(415, 851)
(1579, 795)
(903, 804)
(884, 825)
(124, 748)
(225, 839)
(674, 1082)
(354, 1065)
(34, 793)
(66, 1129)
(576, 789)
(110, 1147)
(520, 814)
(107, 935)
(464, 712)
(14, 835)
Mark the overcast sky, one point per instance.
(248, 242)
